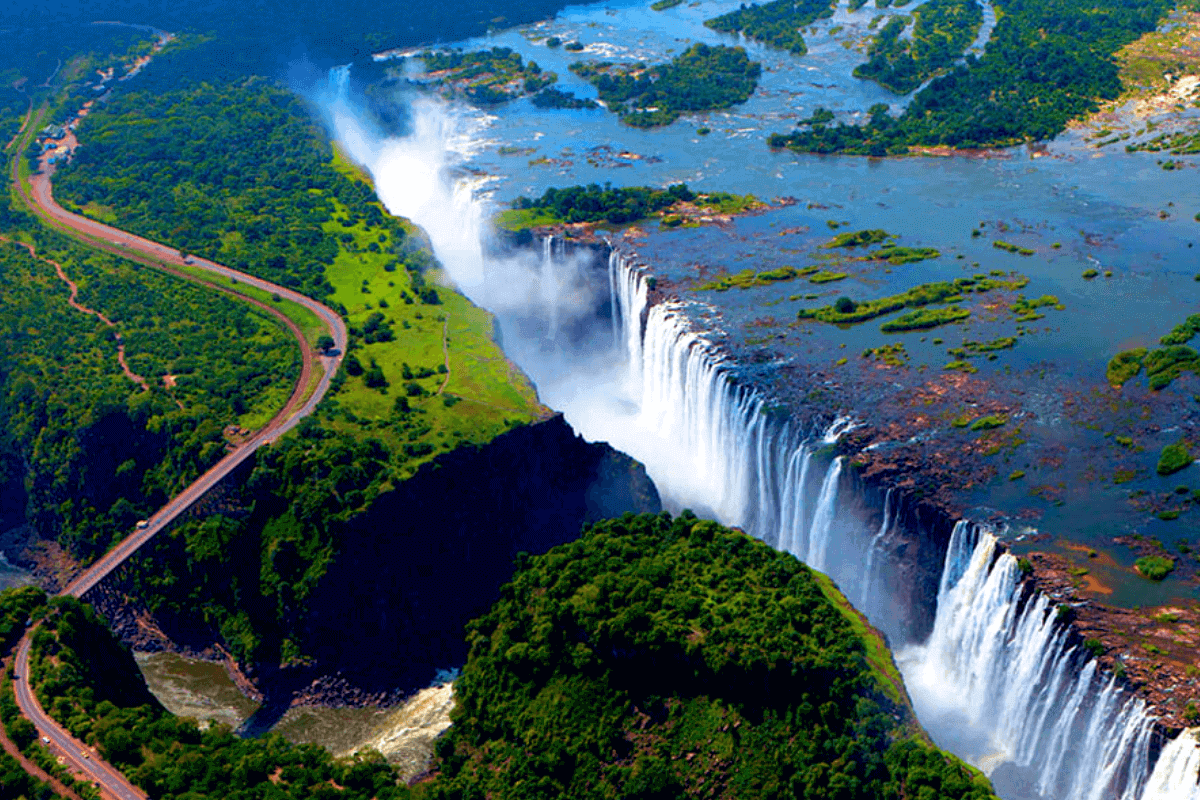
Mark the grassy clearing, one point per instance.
(1146, 62)
(483, 394)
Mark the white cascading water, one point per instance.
(995, 666)
(1176, 772)
(996, 680)
(549, 285)
(1000, 665)
(869, 580)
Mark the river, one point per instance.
(687, 388)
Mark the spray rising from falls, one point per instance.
(996, 681)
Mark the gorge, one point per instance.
(997, 675)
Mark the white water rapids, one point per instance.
(997, 680)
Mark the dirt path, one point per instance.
(75, 304)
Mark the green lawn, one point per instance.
(486, 394)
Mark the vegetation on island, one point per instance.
(969, 349)
(863, 238)
(777, 23)
(1154, 567)
(1008, 247)
(889, 252)
(846, 311)
(942, 31)
(485, 77)
(1174, 457)
(1163, 364)
(923, 318)
(1026, 309)
(593, 203)
(702, 78)
(554, 98)
(1045, 64)
(748, 279)
(1178, 143)
(675, 205)
(660, 657)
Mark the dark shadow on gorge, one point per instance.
(408, 574)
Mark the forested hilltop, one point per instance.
(652, 658)
(1045, 64)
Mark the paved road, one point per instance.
(76, 756)
(112, 783)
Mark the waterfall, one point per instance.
(549, 286)
(868, 575)
(818, 543)
(998, 680)
(1175, 773)
(724, 455)
(998, 666)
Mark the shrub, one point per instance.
(844, 305)
(1094, 646)
(1154, 567)
(1174, 457)
(924, 318)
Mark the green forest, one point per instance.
(241, 173)
(702, 78)
(604, 663)
(94, 450)
(485, 77)
(594, 203)
(89, 682)
(658, 657)
(942, 31)
(777, 23)
(1046, 64)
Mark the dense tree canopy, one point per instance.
(777, 23)
(942, 31)
(660, 658)
(1047, 62)
(702, 78)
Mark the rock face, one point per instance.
(432, 554)
(424, 559)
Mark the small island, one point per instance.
(484, 77)
(943, 30)
(578, 208)
(702, 78)
(777, 24)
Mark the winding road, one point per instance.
(38, 196)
